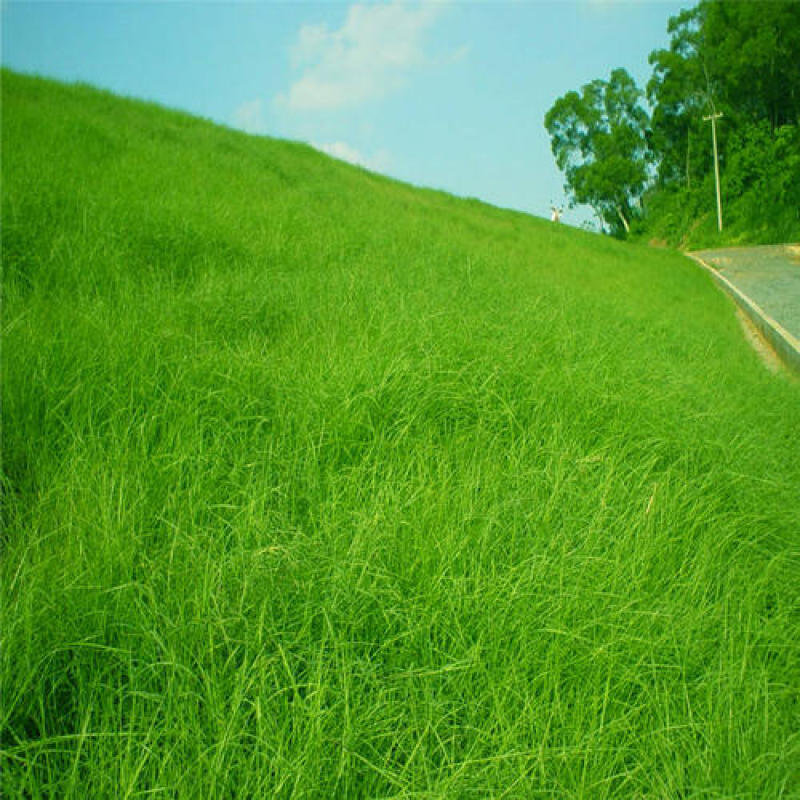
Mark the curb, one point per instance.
(786, 346)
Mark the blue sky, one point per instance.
(447, 95)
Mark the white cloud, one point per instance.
(250, 117)
(367, 58)
(377, 162)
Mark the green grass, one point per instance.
(319, 485)
(688, 220)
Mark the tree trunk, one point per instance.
(624, 221)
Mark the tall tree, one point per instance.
(598, 137)
(679, 92)
(754, 50)
(743, 58)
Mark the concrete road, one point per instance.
(768, 275)
(770, 278)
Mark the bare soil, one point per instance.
(764, 349)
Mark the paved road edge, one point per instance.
(785, 345)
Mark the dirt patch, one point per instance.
(765, 352)
(720, 262)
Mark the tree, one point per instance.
(598, 138)
(680, 92)
(742, 58)
(754, 50)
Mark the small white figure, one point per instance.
(556, 215)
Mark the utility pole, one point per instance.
(713, 118)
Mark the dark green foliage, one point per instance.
(752, 52)
(765, 163)
(678, 93)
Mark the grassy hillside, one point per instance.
(318, 485)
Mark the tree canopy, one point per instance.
(598, 139)
(740, 59)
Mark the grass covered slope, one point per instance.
(319, 485)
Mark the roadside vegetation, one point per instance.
(319, 485)
(650, 175)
